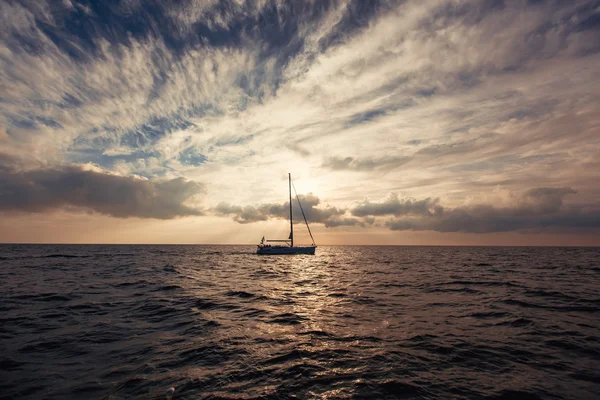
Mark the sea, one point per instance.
(364, 322)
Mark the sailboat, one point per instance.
(288, 247)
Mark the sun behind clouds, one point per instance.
(417, 122)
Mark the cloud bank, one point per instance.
(96, 191)
(442, 101)
(537, 210)
(328, 215)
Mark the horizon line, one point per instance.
(323, 245)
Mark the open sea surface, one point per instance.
(219, 322)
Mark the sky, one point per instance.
(429, 122)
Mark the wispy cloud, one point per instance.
(436, 99)
(365, 164)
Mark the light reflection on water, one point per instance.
(349, 322)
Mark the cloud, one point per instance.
(537, 210)
(368, 164)
(242, 214)
(334, 222)
(131, 77)
(95, 190)
(544, 200)
(394, 205)
(328, 215)
(354, 97)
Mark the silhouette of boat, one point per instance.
(288, 248)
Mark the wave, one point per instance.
(383, 323)
(46, 297)
(517, 323)
(482, 283)
(489, 314)
(166, 288)
(515, 395)
(286, 318)
(242, 294)
(65, 256)
(169, 268)
(561, 308)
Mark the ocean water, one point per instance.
(219, 322)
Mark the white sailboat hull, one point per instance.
(279, 250)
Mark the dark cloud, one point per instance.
(328, 215)
(545, 200)
(243, 215)
(539, 209)
(394, 205)
(536, 210)
(73, 187)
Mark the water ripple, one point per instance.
(218, 322)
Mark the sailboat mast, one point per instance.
(291, 221)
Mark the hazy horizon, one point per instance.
(433, 122)
(254, 244)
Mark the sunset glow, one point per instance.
(460, 122)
